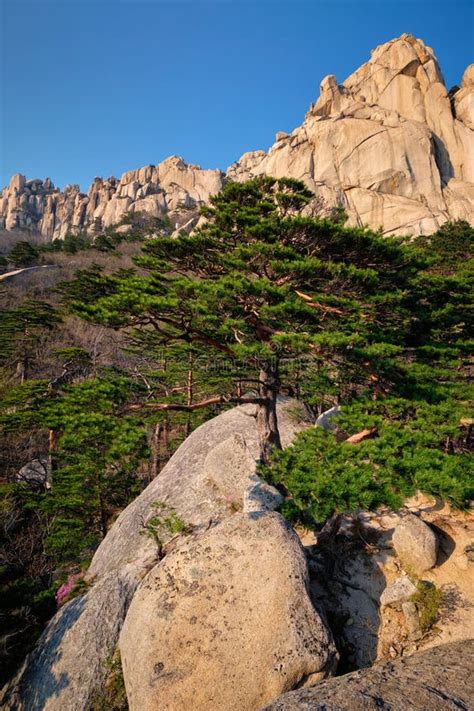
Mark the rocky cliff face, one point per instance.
(172, 187)
(390, 144)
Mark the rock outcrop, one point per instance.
(173, 187)
(69, 662)
(225, 622)
(34, 472)
(190, 486)
(390, 144)
(440, 678)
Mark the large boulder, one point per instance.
(225, 622)
(438, 679)
(207, 479)
(415, 544)
(69, 661)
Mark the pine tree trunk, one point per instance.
(155, 451)
(189, 392)
(267, 421)
(103, 515)
(22, 369)
(52, 443)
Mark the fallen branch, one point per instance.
(361, 436)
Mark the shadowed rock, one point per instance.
(438, 679)
(69, 663)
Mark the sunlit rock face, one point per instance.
(390, 144)
(173, 187)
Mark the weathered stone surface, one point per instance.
(416, 544)
(183, 484)
(224, 622)
(384, 144)
(260, 496)
(412, 620)
(398, 592)
(69, 662)
(437, 679)
(229, 469)
(464, 99)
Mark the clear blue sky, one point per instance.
(97, 87)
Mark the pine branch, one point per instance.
(220, 400)
(316, 305)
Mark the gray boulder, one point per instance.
(69, 662)
(437, 679)
(326, 419)
(401, 590)
(35, 472)
(225, 622)
(415, 544)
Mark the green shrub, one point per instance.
(165, 524)
(428, 601)
(112, 696)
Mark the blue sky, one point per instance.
(97, 87)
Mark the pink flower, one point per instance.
(65, 590)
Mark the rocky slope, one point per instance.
(390, 144)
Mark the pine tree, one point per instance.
(421, 427)
(259, 283)
(20, 329)
(24, 254)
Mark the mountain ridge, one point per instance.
(390, 144)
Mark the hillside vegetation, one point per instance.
(138, 337)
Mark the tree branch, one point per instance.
(317, 305)
(220, 400)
